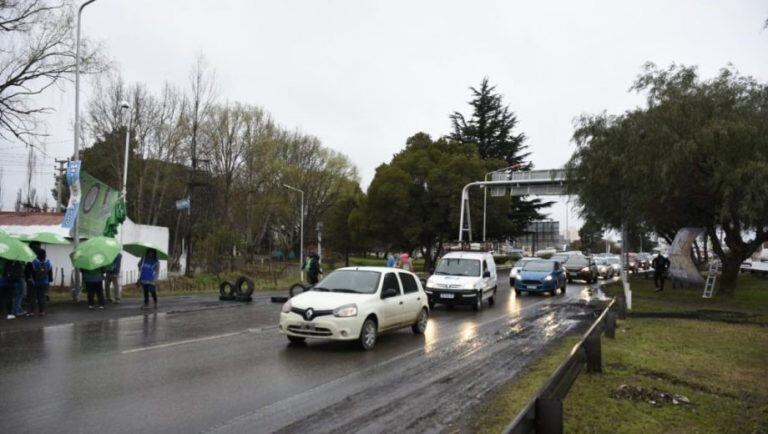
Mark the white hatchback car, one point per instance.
(357, 303)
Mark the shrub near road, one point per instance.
(701, 372)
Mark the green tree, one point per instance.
(591, 235)
(697, 155)
(343, 231)
(413, 202)
(492, 128)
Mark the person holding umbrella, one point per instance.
(15, 254)
(149, 269)
(92, 258)
(42, 276)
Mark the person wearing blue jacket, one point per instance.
(42, 276)
(149, 269)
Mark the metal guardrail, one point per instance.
(544, 412)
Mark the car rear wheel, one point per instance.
(421, 322)
(296, 339)
(367, 338)
(478, 306)
(431, 304)
(517, 291)
(492, 299)
(562, 289)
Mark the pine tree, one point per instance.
(492, 128)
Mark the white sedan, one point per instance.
(357, 303)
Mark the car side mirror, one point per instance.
(388, 293)
(487, 274)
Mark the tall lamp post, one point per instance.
(76, 155)
(301, 230)
(125, 106)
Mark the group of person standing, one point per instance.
(101, 283)
(30, 282)
(403, 262)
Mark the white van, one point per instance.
(463, 278)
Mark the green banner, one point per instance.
(97, 204)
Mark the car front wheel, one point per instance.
(368, 332)
(421, 322)
(478, 306)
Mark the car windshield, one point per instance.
(612, 260)
(539, 266)
(459, 267)
(601, 261)
(352, 281)
(577, 261)
(520, 263)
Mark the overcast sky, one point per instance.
(365, 75)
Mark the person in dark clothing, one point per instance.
(313, 268)
(94, 285)
(660, 265)
(15, 282)
(41, 281)
(6, 291)
(149, 269)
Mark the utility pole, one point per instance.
(62, 169)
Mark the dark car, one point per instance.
(633, 262)
(541, 276)
(582, 268)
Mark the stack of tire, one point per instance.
(240, 290)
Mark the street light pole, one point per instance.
(76, 155)
(123, 193)
(301, 230)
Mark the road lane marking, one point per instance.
(196, 340)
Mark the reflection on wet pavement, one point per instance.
(230, 370)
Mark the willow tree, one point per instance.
(696, 155)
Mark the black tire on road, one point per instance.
(296, 289)
(248, 290)
(421, 322)
(478, 306)
(431, 304)
(368, 334)
(492, 298)
(517, 291)
(227, 289)
(296, 339)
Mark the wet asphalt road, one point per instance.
(208, 367)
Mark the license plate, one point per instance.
(532, 287)
(446, 295)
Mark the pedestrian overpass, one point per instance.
(538, 182)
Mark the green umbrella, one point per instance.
(19, 237)
(95, 253)
(14, 250)
(139, 248)
(47, 238)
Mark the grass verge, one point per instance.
(718, 366)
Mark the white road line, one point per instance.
(193, 341)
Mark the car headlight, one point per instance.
(287, 306)
(345, 311)
(513, 274)
(586, 269)
(548, 278)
